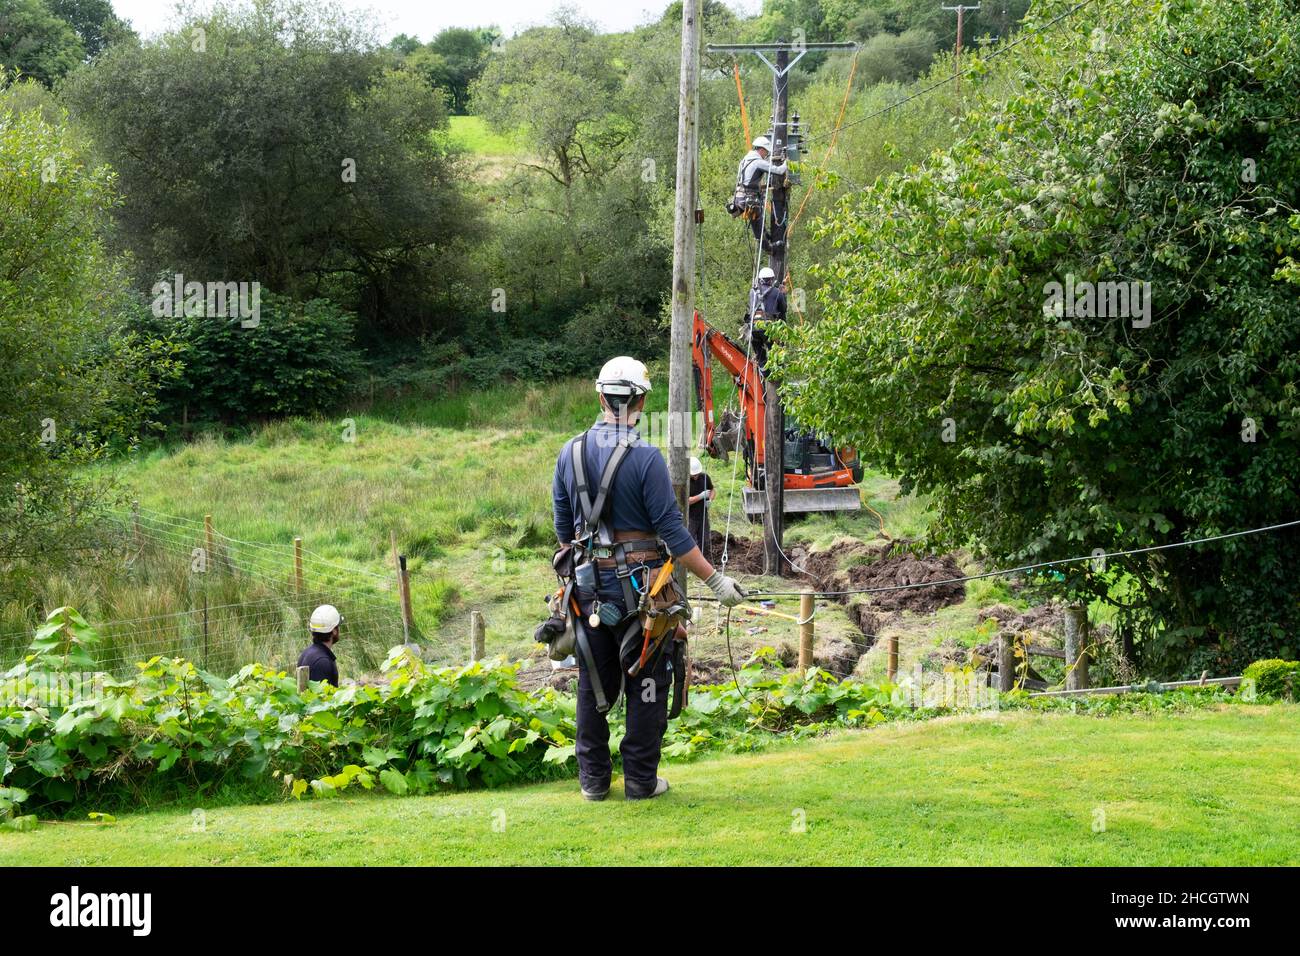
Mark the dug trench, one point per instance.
(848, 565)
(843, 572)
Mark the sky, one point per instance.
(424, 18)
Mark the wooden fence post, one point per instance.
(1006, 661)
(805, 629)
(304, 675)
(297, 566)
(477, 636)
(892, 670)
(207, 540)
(1076, 647)
(404, 591)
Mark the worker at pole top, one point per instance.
(748, 200)
(614, 503)
(767, 304)
(319, 658)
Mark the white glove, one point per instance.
(728, 590)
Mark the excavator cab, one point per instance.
(818, 476)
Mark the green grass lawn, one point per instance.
(1213, 787)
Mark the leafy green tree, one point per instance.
(76, 384)
(36, 41)
(1147, 145)
(275, 143)
(560, 86)
(94, 22)
(452, 61)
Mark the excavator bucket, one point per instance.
(804, 500)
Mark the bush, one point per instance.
(1275, 678)
(298, 359)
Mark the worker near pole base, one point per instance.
(697, 505)
(748, 199)
(615, 507)
(319, 658)
(767, 303)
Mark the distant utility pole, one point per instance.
(680, 378)
(773, 427)
(961, 11)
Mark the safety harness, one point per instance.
(594, 542)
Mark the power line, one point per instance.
(1020, 37)
(1026, 567)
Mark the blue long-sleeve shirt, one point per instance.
(641, 499)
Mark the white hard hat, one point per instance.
(324, 619)
(623, 375)
(762, 142)
(697, 466)
(766, 273)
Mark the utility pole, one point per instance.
(961, 11)
(773, 426)
(680, 379)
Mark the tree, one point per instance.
(1146, 145)
(94, 22)
(560, 86)
(76, 384)
(275, 143)
(36, 42)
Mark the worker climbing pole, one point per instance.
(773, 237)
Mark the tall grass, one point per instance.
(462, 481)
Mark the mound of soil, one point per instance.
(743, 555)
(907, 569)
(1045, 619)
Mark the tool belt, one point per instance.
(653, 609)
(745, 201)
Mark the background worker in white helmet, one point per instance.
(767, 303)
(701, 492)
(614, 503)
(319, 658)
(748, 199)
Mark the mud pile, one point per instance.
(907, 569)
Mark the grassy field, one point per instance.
(472, 133)
(463, 482)
(1207, 788)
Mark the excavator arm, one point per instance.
(827, 484)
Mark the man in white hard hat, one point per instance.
(701, 492)
(767, 303)
(610, 475)
(749, 192)
(319, 658)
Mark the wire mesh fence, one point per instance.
(176, 587)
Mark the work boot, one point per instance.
(595, 794)
(661, 787)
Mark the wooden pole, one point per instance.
(304, 676)
(806, 629)
(404, 588)
(774, 425)
(680, 375)
(1006, 661)
(207, 539)
(297, 565)
(892, 671)
(477, 636)
(1076, 647)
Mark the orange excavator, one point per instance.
(818, 476)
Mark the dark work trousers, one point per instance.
(647, 704)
